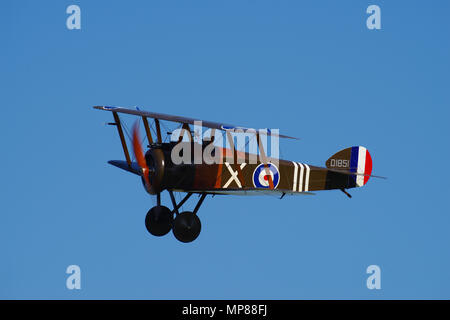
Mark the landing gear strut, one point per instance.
(185, 227)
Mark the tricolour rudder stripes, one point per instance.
(356, 160)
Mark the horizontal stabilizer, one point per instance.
(356, 174)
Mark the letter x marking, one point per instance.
(234, 175)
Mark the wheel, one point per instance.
(159, 220)
(186, 227)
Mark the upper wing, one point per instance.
(167, 117)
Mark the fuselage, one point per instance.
(242, 171)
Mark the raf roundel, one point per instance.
(261, 178)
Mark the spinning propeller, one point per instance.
(140, 158)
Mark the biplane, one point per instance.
(233, 174)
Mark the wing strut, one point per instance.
(158, 130)
(122, 138)
(186, 128)
(147, 130)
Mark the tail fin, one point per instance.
(354, 159)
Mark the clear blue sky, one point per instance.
(310, 68)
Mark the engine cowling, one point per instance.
(156, 163)
(164, 174)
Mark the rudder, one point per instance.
(354, 159)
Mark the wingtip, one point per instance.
(107, 108)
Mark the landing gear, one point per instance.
(159, 220)
(186, 226)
